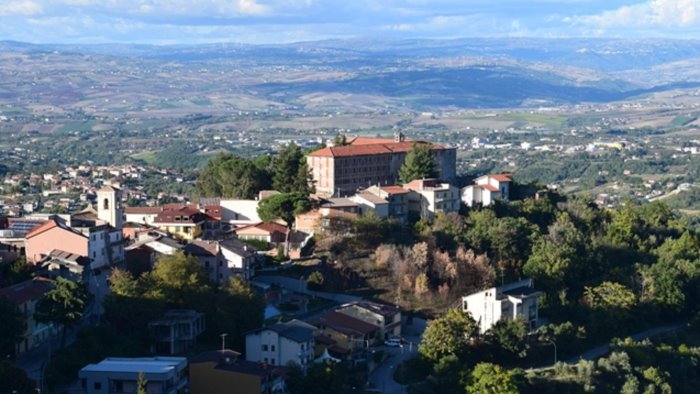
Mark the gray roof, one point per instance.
(291, 332)
(238, 247)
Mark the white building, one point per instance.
(223, 260)
(370, 203)
(518, 299)
(239, 212)
(280, 344)
(430, 196)
(386, 317)
(486, 189)
(166, 375)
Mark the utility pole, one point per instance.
(223, 342)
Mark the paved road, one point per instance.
(382, 378)
(300, 287)
(602, 350)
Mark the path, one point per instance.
(382, 378)
(300, 287)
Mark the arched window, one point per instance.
(105, 204)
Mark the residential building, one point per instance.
(165, 375)
(239, 212)
(225, 259)
(142, 215)
(397, 197)
(369, 203)
(26, 295)
(280, 344)
(342, 170)
(272, 233)
(224, 372)
(486, 189)
(386, 317)
(176, 331)
(431, 196)
(185, 222)
(511, 301)
(348, 332)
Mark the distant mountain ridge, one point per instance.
(467, 73)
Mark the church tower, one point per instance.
(109, 206)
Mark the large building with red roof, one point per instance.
(342, 170)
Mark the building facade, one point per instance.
(165, 375)
(280, 344)
(342, 170)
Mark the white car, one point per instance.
(393, 342)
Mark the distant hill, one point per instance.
(466, 73)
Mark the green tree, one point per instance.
(419, 163)
(609, 295)
(487, 378)
(315, 281)
(320, 378)
(231, 176)
(340, 140)
(177, 279)
(142, 384)
(291, 173)
(64, 304)
(450, 334)
(12, 327)
(14, 380)
(285, 206)
(511, 336)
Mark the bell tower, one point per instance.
(109, 206)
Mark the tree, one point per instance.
(177, 279)
(12, 327)
(64, 304)
(419, 163)
(14, 380)
(285, 206)
(610, 295)
(142, 384)
(231, 176)
(315, 281)
(321, 378)
(340, 140)
(450, 334)
(291, 173)
(487, 378)
(511, 336)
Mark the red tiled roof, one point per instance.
(44, 227)
(27, 291)
(488, 187)
(190, 213)
(369, 149)
(143, 210)
(370, 140)
(394, 189)
(269, 227)
(501, 177)
(346, 324)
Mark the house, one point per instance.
(397, 197)
(386, 317)
(430, 196)
(225, 259)
(280, 344)
(224, 372)
(175, 332)
(272, 233)
(26, 295)
(369, 203)
(185, 222)
(239, 212)
(166, 375)
(486, 189)
(342, 170)
(348, 332)
(66, 265)
(511, 301)
(142, 215)
(324, 212)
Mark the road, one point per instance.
(300, 287)
(602, 350)
(382, 378)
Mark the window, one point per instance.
(105, 204)
(264, 349)
(272, 348)
(97, 385)
(272, 361)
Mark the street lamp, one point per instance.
(223, 342)
(555, 348)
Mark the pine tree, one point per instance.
(419, 163)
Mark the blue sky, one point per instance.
(274, 21)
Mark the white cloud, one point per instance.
(659, 13)
(22, 7)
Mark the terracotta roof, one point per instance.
(394, 190)
(369, 149)
(346, 324)
(143, 210)
(269, 227)
(501, 177)
(488, 187)
(27, 291)
(202, 248)
(372, 198)
(50, 224)
(190, 214)
(370, 140)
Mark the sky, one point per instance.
(277, 21)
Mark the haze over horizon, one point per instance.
(284, 21)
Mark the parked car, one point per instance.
(393, 342)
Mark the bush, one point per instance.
(315, 281)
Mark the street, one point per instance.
(382, 378)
